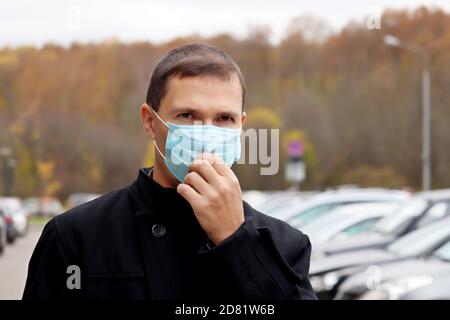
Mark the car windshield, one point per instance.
(363, 226)
(443, 252)
(392, 223)
(311, 214)
(416, 242)
(325, 225)
(278, 206)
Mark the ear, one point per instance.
(243, 118)
(147, 120)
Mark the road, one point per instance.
(14, 265)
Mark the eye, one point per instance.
(226, 118)
(184, 115)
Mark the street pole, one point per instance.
(426, 106)
(8, 167)
(426, 126)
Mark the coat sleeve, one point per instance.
(46, 270)
(253, 261)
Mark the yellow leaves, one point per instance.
(17, 129)
(8, 58)
(52, 188)
(263, 117)
(96, 174)
(45, 169)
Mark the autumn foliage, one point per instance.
(70, 114)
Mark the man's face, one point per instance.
(205, 100)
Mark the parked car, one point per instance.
(13, 209)
(45, 206)
(2, 232)
(328, 273)
(254, 197)
(424, 277)
(76, 199)
(346, 221)
(11, 232)
(438, 289)
(323, 203)
(423, 208)
(278, 201)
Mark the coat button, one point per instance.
(158, 230)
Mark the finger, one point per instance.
(196, 181)
(187, 192)
(205, 169)
(219, 165)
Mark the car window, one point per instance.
(361, 226)
(420, 240)
(393, 223)
(324, 224)
(310, 214)
(443, 252)
(435, 212)
(438, 210)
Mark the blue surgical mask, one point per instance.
(185, 142)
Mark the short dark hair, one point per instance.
(191, 60)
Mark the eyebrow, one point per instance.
(182, 109)
(230, 113)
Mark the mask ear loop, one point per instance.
(154, 141)
(160, 118)
(159, 151)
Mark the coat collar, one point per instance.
(151, 197)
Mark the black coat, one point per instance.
(143, 242)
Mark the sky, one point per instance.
(31, 22)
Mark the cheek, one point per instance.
(161, 136)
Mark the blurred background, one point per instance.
(357, 89)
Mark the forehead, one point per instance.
(206, 94)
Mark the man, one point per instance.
(181, 229)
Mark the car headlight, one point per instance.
(393, 290)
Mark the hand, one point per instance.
(214, 193)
